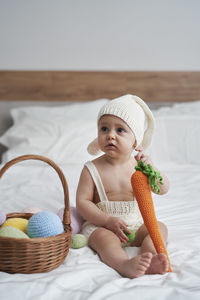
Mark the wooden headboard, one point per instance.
(37, 87)
(89, 85)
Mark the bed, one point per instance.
(41, 113)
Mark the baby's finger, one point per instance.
(137, 157)
(127, 231)
(121, 235)
(147, 160)
(124, 231)
(139, 149)
(124, 241)
(140, 155)
(125, 228)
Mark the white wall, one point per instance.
(100, 34)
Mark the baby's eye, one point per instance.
(120, 129)
(104, 128)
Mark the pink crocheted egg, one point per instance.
(31, 210)
(76, 219)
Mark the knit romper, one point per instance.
(128, 211)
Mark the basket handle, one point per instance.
(66, 215)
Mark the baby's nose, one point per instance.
(111, 134)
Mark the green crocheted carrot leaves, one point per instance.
(153, 175)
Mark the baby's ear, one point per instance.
(134, 145)
(93, 148)
(135, 142)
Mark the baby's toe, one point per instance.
(163, 260)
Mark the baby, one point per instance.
(104, 196)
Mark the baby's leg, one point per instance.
(109, 248)
(159, 263)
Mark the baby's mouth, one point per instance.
(110, 145)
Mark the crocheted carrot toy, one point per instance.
(142, 181)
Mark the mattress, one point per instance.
(83, 275)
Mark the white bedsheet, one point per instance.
(83, 275)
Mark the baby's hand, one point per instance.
(143, 157)
(117, 226)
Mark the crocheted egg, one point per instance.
(31, 210)
(2, 217)
(130, 236)
(13, 232)
(44, 224)
(78, 241)
(19, 223)
(76, 219)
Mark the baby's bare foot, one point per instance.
(159, 264)
(137, 266)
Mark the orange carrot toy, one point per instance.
(142, 180)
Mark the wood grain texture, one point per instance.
(90, 85)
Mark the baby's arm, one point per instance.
(147, 160)
(84, 197)
(91, 213)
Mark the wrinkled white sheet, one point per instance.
(83, 275)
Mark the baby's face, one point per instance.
(114, 136)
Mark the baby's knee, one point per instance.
(98, 238)
(103, 236)
(100, 233)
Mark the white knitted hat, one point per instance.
(134, 112)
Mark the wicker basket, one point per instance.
(36, 255)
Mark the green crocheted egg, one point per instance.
(78, 241)
(130, 236)
(13, 232)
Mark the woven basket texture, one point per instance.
(36, 255)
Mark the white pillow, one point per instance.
(63, 133)
(71, 111)
(176, 138)
(60, 133)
